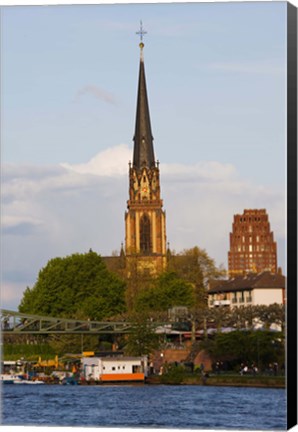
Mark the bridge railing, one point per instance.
(14, 323)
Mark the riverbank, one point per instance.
(277, 382)
(225, 380)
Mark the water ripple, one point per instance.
(145, 406)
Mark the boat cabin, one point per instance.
(114, 369)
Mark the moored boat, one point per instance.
(10, 378)
(112, 369)
(25, 381)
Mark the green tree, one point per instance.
(142, 340)
(195, 266)
(173, 374)
(77, 286)
(271, 314)
(136, 279)
(167, 290)
(259, 347)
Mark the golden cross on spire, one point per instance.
(141, 32)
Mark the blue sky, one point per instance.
(216, 78)
(226, 92)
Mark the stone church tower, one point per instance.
(145, 221)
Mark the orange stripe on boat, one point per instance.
(123, 377)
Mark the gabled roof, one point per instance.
(248, 282)
(143, 154)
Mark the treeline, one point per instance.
(80, 286)
(240, 317)
(252, 348)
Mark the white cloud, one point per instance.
(202, 212)
(110, 162)
(56, 211)
(201, 171)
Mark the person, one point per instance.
(254, 369)
(204, 378)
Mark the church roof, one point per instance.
(143, 154)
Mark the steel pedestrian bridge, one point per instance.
(16, 323)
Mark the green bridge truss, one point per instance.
(16, 323)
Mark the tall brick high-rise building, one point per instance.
(252, 246)
(145, 221)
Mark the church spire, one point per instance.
(143, 154)
(145, 220)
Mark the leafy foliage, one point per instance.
(142, 340)
(77, 286)
(16, 351)
(259, 347)
(196, 267)
(173, 374)
(241, 317)
(75, 344)
(167, 290)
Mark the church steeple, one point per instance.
(145, 221)
(143, 154)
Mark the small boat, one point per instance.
(10, 378)
(25, 381)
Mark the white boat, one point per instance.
(24, 381)
(10, 378)
(17, 379)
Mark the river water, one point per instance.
(145, 406)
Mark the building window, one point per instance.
(145, 235)
(248, 299)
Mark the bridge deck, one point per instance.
(20, 323)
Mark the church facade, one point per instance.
(145, 220)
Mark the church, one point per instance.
(145, 221)
(145, 249)
(146, 252)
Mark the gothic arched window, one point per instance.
(145, 234)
